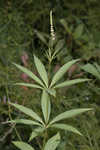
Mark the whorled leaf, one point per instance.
(27, 111)
(30, 85)
(59, 74)
(53, 142)
(41, 70)
(25, 121)
(46, 106)
(69, 114)
(36, 132)
(30, 74)
(65, 127)
(70, 82)
(22, 145)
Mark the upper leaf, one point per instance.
(29, 73)
(27, 111)
(46, 106)
(62, 71)
(65, 127)
(53, 142)
(69, 114)
(41, 70)
(70, 82)
(23, 145)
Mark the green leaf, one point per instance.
(78, 31)
(58, 47)
(97, 67)
(25, 121)
(51, 92)
(29, 73)
(23, 145)
(65, 127)
(27, 111)
(41, 36)
(91, 69)
(36, 132)
(46, 106)
(53, 142)
(62, 71)
(69, 114)
(41, 70)
(70, 82)
(30, 85)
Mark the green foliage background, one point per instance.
(77, 24)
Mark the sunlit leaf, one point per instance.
(51, 92)
(70, 82)
(30, 85)
(46, 106)
(25, 121)
(36, 132)
(53, 142)
(65, 127)
(22, 145)
(41, 70)
(69, 114)
(59, 74)
(27, 111)
(29, 73)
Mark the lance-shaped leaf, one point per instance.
(78, 31)
(23, 145)
(97, 67)
(46, 106)
(70, 82)
(65, 127)
(25, 121)
(29, 73)
(91, 69)
(69, 114)
(30, 85)
(27, 111)
(51, 92)
(41, 70)
(59, 74)
(53, 142)
(36, 132)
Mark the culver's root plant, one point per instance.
(48, 87)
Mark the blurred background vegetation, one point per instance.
(24, 30)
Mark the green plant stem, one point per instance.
(45, 138)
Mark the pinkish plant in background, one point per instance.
(24, 59)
